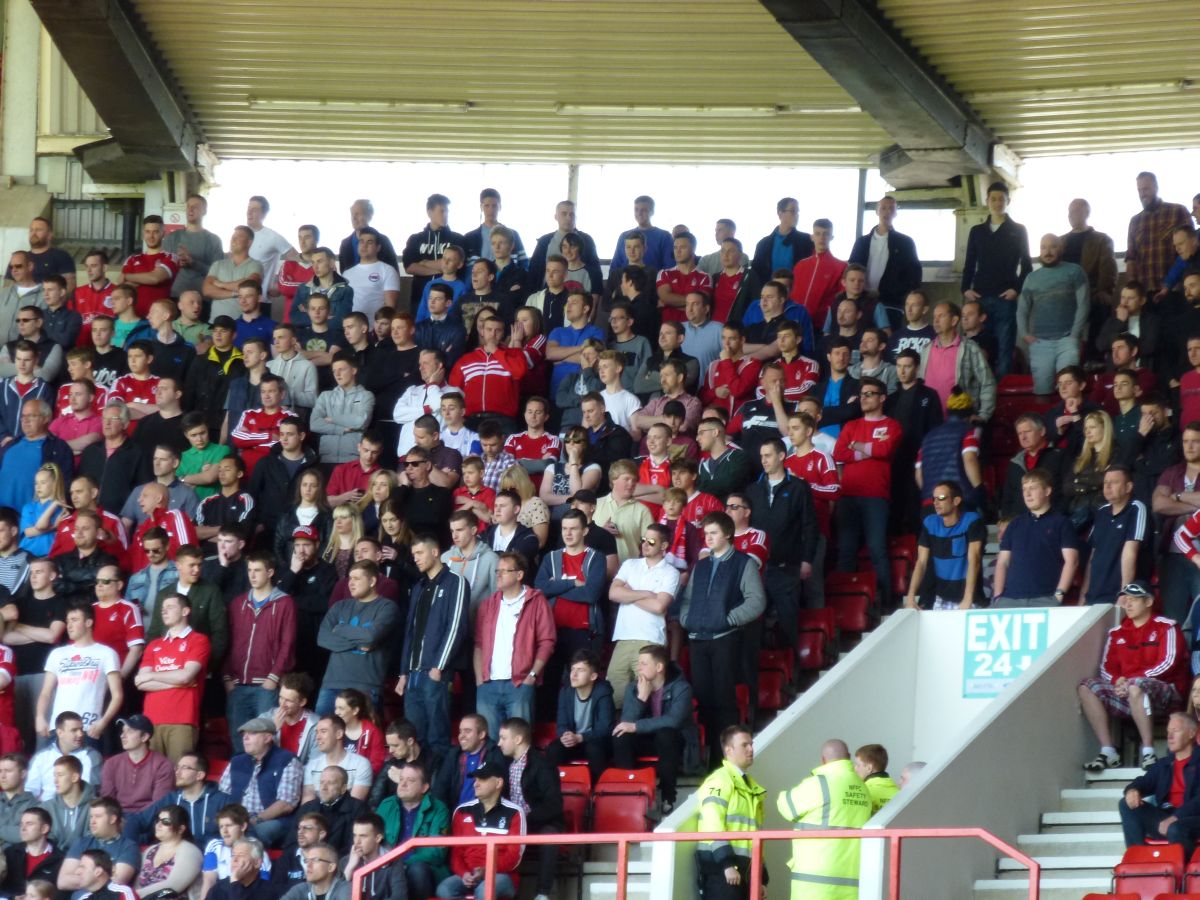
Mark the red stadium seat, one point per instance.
(779, 660)
(853, 611)
(1015, 384)
(822, 620)
(576, 784)
(770, 689)
(812, 650)
(1111, 897)
(1191, 876)
(216, 768)
(544, 734)
(742, 693)
(1149, 871)
(621, 800)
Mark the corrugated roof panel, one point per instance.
(1055, 77)
(255, 72)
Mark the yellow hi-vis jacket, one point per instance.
(729, 801)
(832, 797)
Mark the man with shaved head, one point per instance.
(833, 796)
(1052, 313)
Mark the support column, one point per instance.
(19, 94)
(573, 182)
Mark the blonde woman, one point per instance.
(379, 488)
(534, 512)
(347, 529)
(1084, 482)
(40, 516)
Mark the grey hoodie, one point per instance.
(68, 824)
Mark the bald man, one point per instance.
(833, 796)
(1052, 313)
(178, 527)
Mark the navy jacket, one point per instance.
(445, 627)
(524, 541)
(603, 711)
(1156, 783)
(676, 705)
(564, 590)
(902, 272)
(801, 244)
(202, 816)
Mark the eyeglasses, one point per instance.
(26, 320)
(182, 768)
(652, 542)
(308, 827)
(870, 394)
(507, 571)
(941, 498)
(321, 860)
(735, 506)
(107, 580)
(163, 821)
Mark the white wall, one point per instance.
(902, 687)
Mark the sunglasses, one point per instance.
(941, 498)
(653, 542)
(412, 463)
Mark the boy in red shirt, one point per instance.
(137, 388)
(1145, 661)
(473, 494)
(172, 679)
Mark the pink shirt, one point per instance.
(941, 372)
(69, 427)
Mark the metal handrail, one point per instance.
(894, 837)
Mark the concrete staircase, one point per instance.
(1077, 845)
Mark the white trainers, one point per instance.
(1149, 758)
(1102, 762)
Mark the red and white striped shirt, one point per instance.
(179, 529)
(132, 389)
(64, 534)
(740, 376)
(256, 432)
(490, 382)
(143, 264)
(1187, 534)
(526, 446)
(800, 376)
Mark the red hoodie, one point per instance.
(1154, 650)
(471, 820)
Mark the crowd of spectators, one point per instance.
(539, 503)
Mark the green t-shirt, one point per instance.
(193, 462)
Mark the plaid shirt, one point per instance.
(515, 772)
(494, 468)
(288, 790)
(1149, 252)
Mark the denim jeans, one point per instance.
(1138, 824)
(326, 697)
(864, 520)
(273, 832)
(500, 700)
(1047, 357)
(453, 888)
(1180, 581)
(1002, 319)
(245, 702)
(427, 706)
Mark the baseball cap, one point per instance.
(138, 723)
(306, 533)
(1138, 589)
(583, 496)
(259, 725)
(225, 322)
(488, 770)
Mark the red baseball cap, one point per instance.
(306, 533)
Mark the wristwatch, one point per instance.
(1059, 593)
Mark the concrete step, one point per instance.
(1082, 862)
(1090, 799)
(607, 890)
(1112, 777)
(1084, 843)
(1087, 817)
(1054, 888)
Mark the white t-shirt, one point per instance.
(500, 667)
(357, 767)
(268, 246)
(634, 623)
(82, 674)
(621, 406)
(369, 281)
(877, 260)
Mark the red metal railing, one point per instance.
(894, 837)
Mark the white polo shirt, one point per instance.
(634, 623)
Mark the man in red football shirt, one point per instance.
(534, 448)
(118, 622)
(178, 527)
(172, 678)
(93, 298)
(153, 270)
(733, 376)
(675, 283)
(257, 430)
(864, 449)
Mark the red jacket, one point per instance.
(490, 382)
(179, 529)
(740, 376)
(872, 475)
(262, 643)
(470, 820)
(534, 639)
(1155, 650)
(800, 376)
(816, 280)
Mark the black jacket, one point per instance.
(613, 443)
(118, 474)
(789, 520)
(311, 591)
(1156, 452)
(258, 889)
(524, 541)
(15, 878)
(919, 410)
(341, 815)
(76, 576)
(231, 581)
(847, 409)
(902, 272)
(604, 713)
(272, 488)
(542, 793)
(1012, 501)
(996, 261)
(800, 242)
(1156, 783)
(347, 257)
(448, 782)
(207, 383)
(383, 786)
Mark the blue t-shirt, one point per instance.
(1107, 542)
(262, 327)
(566, 336)
(467, 794)
(833, 397)
(120, 848)
(21, 460)
(781, 253)
(1036, 544)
